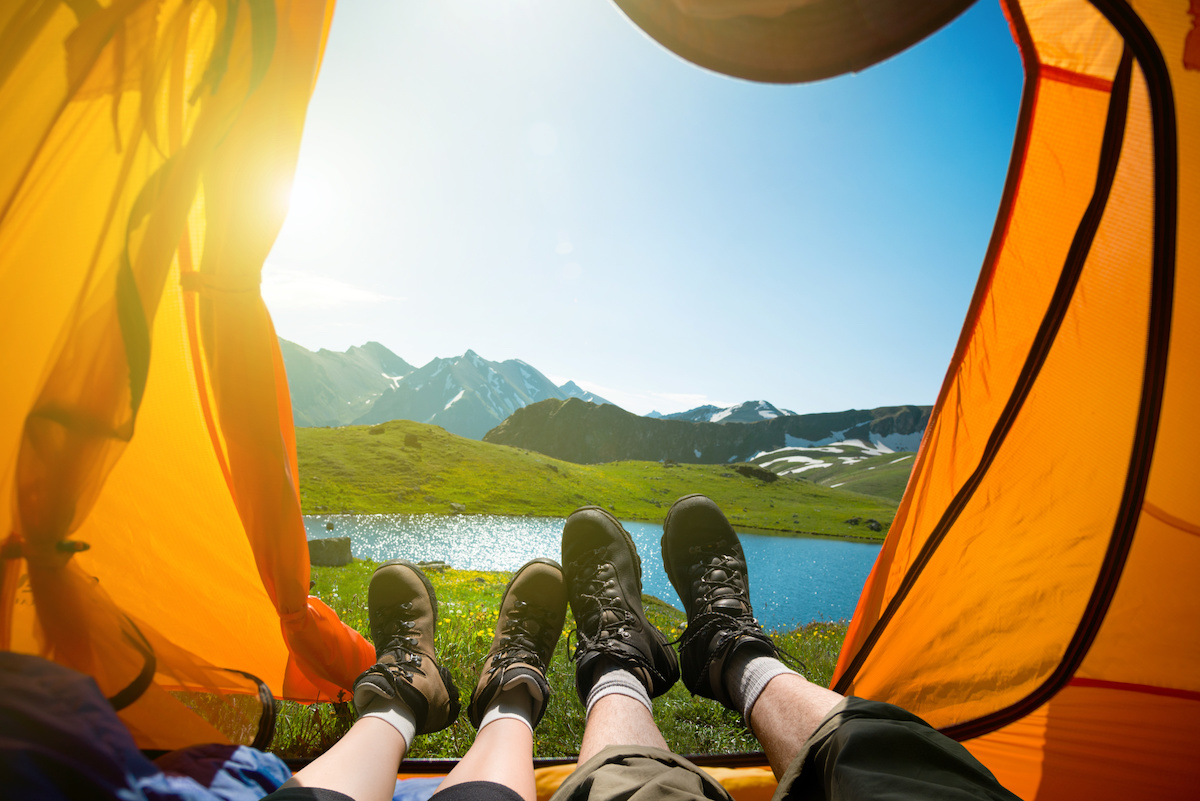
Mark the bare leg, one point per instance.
(362, 764)
(502, 753)
(619, 720)
(785, 716)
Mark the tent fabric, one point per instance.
(1034, 595)
(149, 477)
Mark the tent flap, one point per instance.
(1033, 595)
(145, 441)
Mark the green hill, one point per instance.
(884, 476)
(846, 465)
(407, 467)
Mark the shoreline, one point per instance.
(757, 530)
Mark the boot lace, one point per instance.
(610, 629)
(718, 630)
(402, 641)
(720, 571)
(523, 637)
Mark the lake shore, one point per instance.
(868, 537)
(349, 470)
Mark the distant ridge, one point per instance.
(467, 395)
(748, 412)
(576, 431)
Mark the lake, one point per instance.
(792, 580)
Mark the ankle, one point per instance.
(612, 679)
(747, 674)
(515, 703)
(393, 712)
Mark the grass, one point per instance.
(881, 476)
(467, 604)
(884, 476)
(406, 467)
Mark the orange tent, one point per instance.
(1031, 599)
(148, 148)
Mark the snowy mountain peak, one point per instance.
(468, 395)
(747, 412)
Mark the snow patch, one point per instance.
(901, 459)
(867, 449)
(766, 415)
(794, 470)
(454, 400)
(831, 486)
(901, 442)
(721, 415)
(805, 460)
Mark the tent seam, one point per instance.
(1039, 351)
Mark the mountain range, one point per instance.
(512, 403)
(576, 431)
(329, 388)
(466, 395)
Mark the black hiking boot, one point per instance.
(604, 586)
(402, 610)
(532, 612)
(707, 568)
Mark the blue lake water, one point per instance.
(792, 580)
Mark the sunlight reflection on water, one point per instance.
(793, 581)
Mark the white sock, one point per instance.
(746, 676)
(514, 703)
(614, 680)
(395, 712)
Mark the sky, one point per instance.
(540, 180)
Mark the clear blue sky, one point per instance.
(538, 179)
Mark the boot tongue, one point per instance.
(723, 598)
(610, 618)
(732, 605)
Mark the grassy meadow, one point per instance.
(467, 605)
(411, 468)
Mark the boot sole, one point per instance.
(637, 559)
(666, 550)
(433, 604)
(539, 561)
(472, 712)
(658, 636)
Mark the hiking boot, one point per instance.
(402, 611)
(707, 568)
(604, 586)
(532, 612)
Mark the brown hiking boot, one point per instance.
(707, 567)
(402, 610)
(532, 612)
(604, 586)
